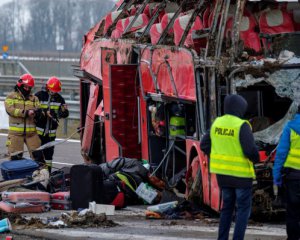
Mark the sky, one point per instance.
(4, 1)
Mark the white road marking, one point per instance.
(61, 163)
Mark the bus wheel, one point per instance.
(194, 182)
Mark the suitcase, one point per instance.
(61, 201)
(86, 185)
(26, 197)
(21, 208)
(15, 169)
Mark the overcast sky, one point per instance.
(5, 1)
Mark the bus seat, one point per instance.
(179, 26)
(276, 21)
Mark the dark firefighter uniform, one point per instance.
(46, 126)
(22, 128)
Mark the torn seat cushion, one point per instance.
(110, 18)
(179, 27)
(165, 20)
(155, 33)
(141, 21)
(151, 9)
(247, 32)
(276, 21)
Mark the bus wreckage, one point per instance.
(154, 75)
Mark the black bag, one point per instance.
(59, 180)
(86, 185)
(113, 193)
(128, 186)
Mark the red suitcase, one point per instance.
(19, 208)
(29, 197)
(61, 201)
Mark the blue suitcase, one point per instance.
(15, 169)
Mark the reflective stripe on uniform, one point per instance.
(21, 129)
(17, 112)
(40, 131)
(19, 101)
(234, 165)
(53, 105)
(21, 125)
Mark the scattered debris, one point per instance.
(66, 220)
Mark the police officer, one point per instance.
(232, 150)
(54, 108)
(22, 108)
(287, 162)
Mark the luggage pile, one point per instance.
(121, 182)
(29, 189)
(114, 183)
(25, 202)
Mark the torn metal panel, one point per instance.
(287, 84)
(271, 135)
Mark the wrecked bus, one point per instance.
(154, 74)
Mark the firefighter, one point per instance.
(232, 150)
(54, 107)
(287, 163)
(22, 108)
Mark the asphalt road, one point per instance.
(132, 225)
(65, 154)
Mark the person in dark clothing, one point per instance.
(54, 108)
(232, 150)
(287, 161)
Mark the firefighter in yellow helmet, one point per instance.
(22, 108)
(54, 108)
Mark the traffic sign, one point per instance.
(5, 48)
(5, 55)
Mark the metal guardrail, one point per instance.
(68, 84)
(70, 91)
(73, 107)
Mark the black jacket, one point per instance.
(237, 106)
(56, 109)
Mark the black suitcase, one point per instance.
(86, 185)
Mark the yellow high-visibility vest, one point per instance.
(293, 157)
(227, 157)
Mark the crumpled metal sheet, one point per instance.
(287, 84)
(271, 135)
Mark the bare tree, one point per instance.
(41, 25)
